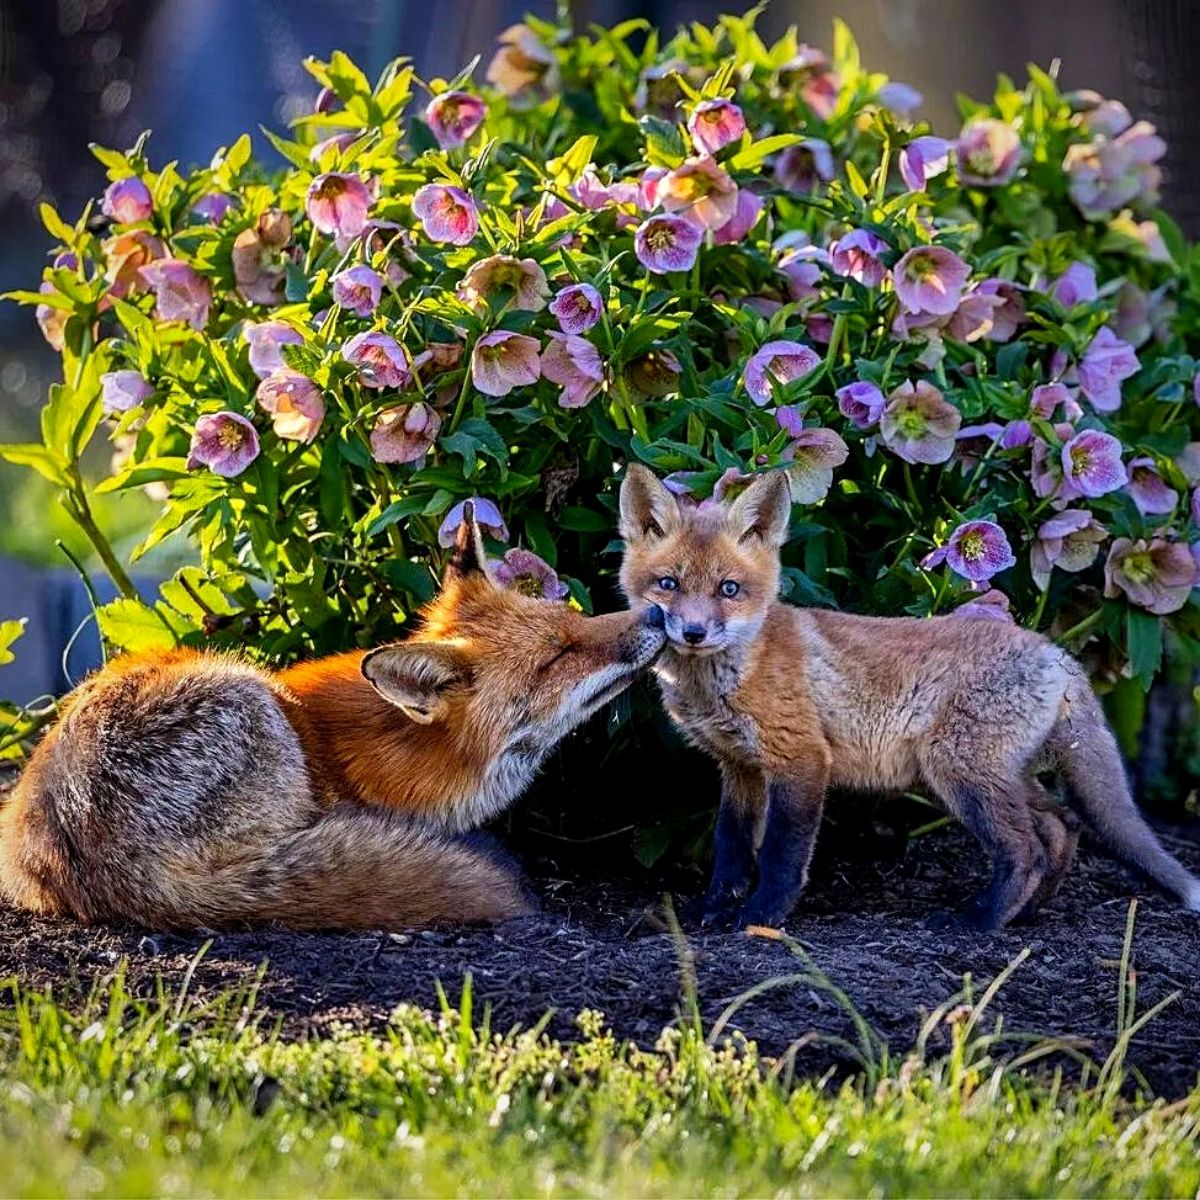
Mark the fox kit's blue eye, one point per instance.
(729, 588)
(668, 583)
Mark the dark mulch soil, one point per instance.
(599, 944)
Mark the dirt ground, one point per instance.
(598, 943)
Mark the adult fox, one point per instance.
(195, 790)
(791, 701)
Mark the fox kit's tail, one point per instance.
(1095, 774)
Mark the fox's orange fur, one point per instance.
(791, 701)
(189, 789)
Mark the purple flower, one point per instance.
(127, 201)
(454, 117)
(1106, 174)
(977, 550)
(487, 517)
(667, 243)
(180, 294)
(575, 364)
(295, 403)
(655, 372)
(802, 268)
(811, 455)
(380, 361)
(405, 433)
(777, 362)
(521, 281)
(446, 213)
(701, 190)
(523, 571)
(1156, 575)
(123, 390)
(930, 279)
(745, 216)
(358, 289)
(577, 308)
(918, 424)
(1148, 488)
(802, 166)
(1048, 398)
(1106, 363)
(861, 403)
(265, 341)
(1010, 313)
(1076, 285)
(900, 99)
(714, 124)
(988, 152)
(225, 443)
(924, 158)
(857, 256)
(502, 361)
(992, 605)
(1069, 540)
(338, 204)
(213, 206)
(524, 66)
(1091, 462)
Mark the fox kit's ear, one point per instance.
(762, 511)
(412, 676)
(647, 508)
(468, 556)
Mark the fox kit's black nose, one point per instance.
(654, 617)
(693, 634)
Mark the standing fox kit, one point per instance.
(189, 789)
(792, 701)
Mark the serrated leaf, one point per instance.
(130, 625)
(9, 632)
(46, 463)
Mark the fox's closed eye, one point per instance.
(550, 662)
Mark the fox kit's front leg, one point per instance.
(739, 821)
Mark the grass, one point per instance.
(172, 1096)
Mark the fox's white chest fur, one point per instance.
(698, 693)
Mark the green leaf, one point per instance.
(409, 506)
(131, 625)
(412, 577)
(1144, 643)
(9, 632)
(757, 151)
(569, 166)
(150, 470)
(49, 465)
(55, 225)
(584, 520)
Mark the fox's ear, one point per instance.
(468, 556)
(762, 511)
(647, 508)
(413, 675)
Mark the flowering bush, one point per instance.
(712, 255)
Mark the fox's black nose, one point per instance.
(654, 617)
(693, 634)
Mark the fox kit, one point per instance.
(791, 701)
(189, 789)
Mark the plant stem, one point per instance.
(81, 513)
(461, 403)
(1085, 626)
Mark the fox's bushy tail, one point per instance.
(1095, 775)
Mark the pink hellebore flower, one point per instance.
(1076, 285)
(811, 455)
(454, 117)
(655, 372)
(1091, 462)
(667, 243)
(575, 364)
(1069, 540)
(1107, 174)
(861, 403)
(924, 158)
(123, 390)
(714, 124)
(745, 217)
(124, 257)
(900, 99)
(338, 204)
(380, 361)
(777, 363)
(525, 572)
(802, 166)
(487, 517)
(224, 442)
(701, 190)
(1156, 575)
(404, 434)
(265, 341)
(988, 152)
(180, 293)
(520, 280)
(930, 279)
(358, 289)
(127, 201)
(1047, 398)
(1008, 316)
(295, 403)
(259, 258)
(502, 361)
(918, 424)
(993, 605)
(1106, 363)
(802, 267)
(977, 550)
(857, 256)
(213, 206)
(577, 308)
(446, 213)
(523, 65)
(52, 321)
(1148, 488)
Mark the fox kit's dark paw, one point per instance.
(715, 910)
(755, 912)
(969, 918)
